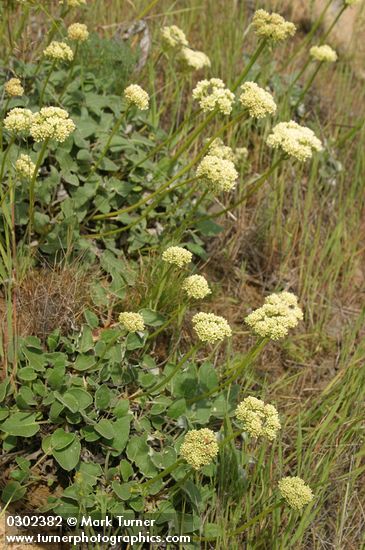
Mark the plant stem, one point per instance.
(250, 64)
(46, 82)
(32, 185)
(309, 84)
(167, 378)
(70, 74)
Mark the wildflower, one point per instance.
(133, 322)
(173, 37)
(296, 493)
(177, 255)
(295, 140)
(196, 286)
(199, 447)
(323, 53)
(136, 95)
(272, 26)
(25, 167)
(212, 94)
(211, 328)
(257, 100)
(78, 32)
(192, 59)
(258, 419)
(218, 149)
(51, 123)
(279, 313)
(18, 120)
(219, 174)
(59, 51)
(13, 87)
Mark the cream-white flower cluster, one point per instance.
(51, 123)
(25, 167)
(177, 255)
(258, 101)
(218, 149)
(296, 492)
(212, 94)
(211, 328)
(13, 87)
(272, 26)
(18, 120)
(192, 59)
(131, 321)
(199, 447)
(196, 286)
(135, 95)
(48, 123)
(58, 51)
(218, 173)
(295, 140)
(174, 39)
(78, 32)
(279, 313)
(258, 419)
(323, 53)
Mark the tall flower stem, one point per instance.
(310, 35)
(237, 371)
(167, 184)
(253, 59)
(169, 377)
(41, 96)
(70, 73)
(253, 187)
(6, 152)
(32, 185)
(308, 84)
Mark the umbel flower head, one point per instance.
(13, 87)
(296, 493)
(135, 95)
(323, 53)
(196, 286)
(18, 120)
(199, 447)
(51, 123)
(58, 51)
(25, 167)
(211, 328)
(257, 100)
(219, 174)
(258, 419)
(177, 255)
(272, 26)
(78, 32)
(279, 313)
(213, 94)
(295, 140)
(133, 322)
(218, 149)
(173, 37)
(192, 59)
